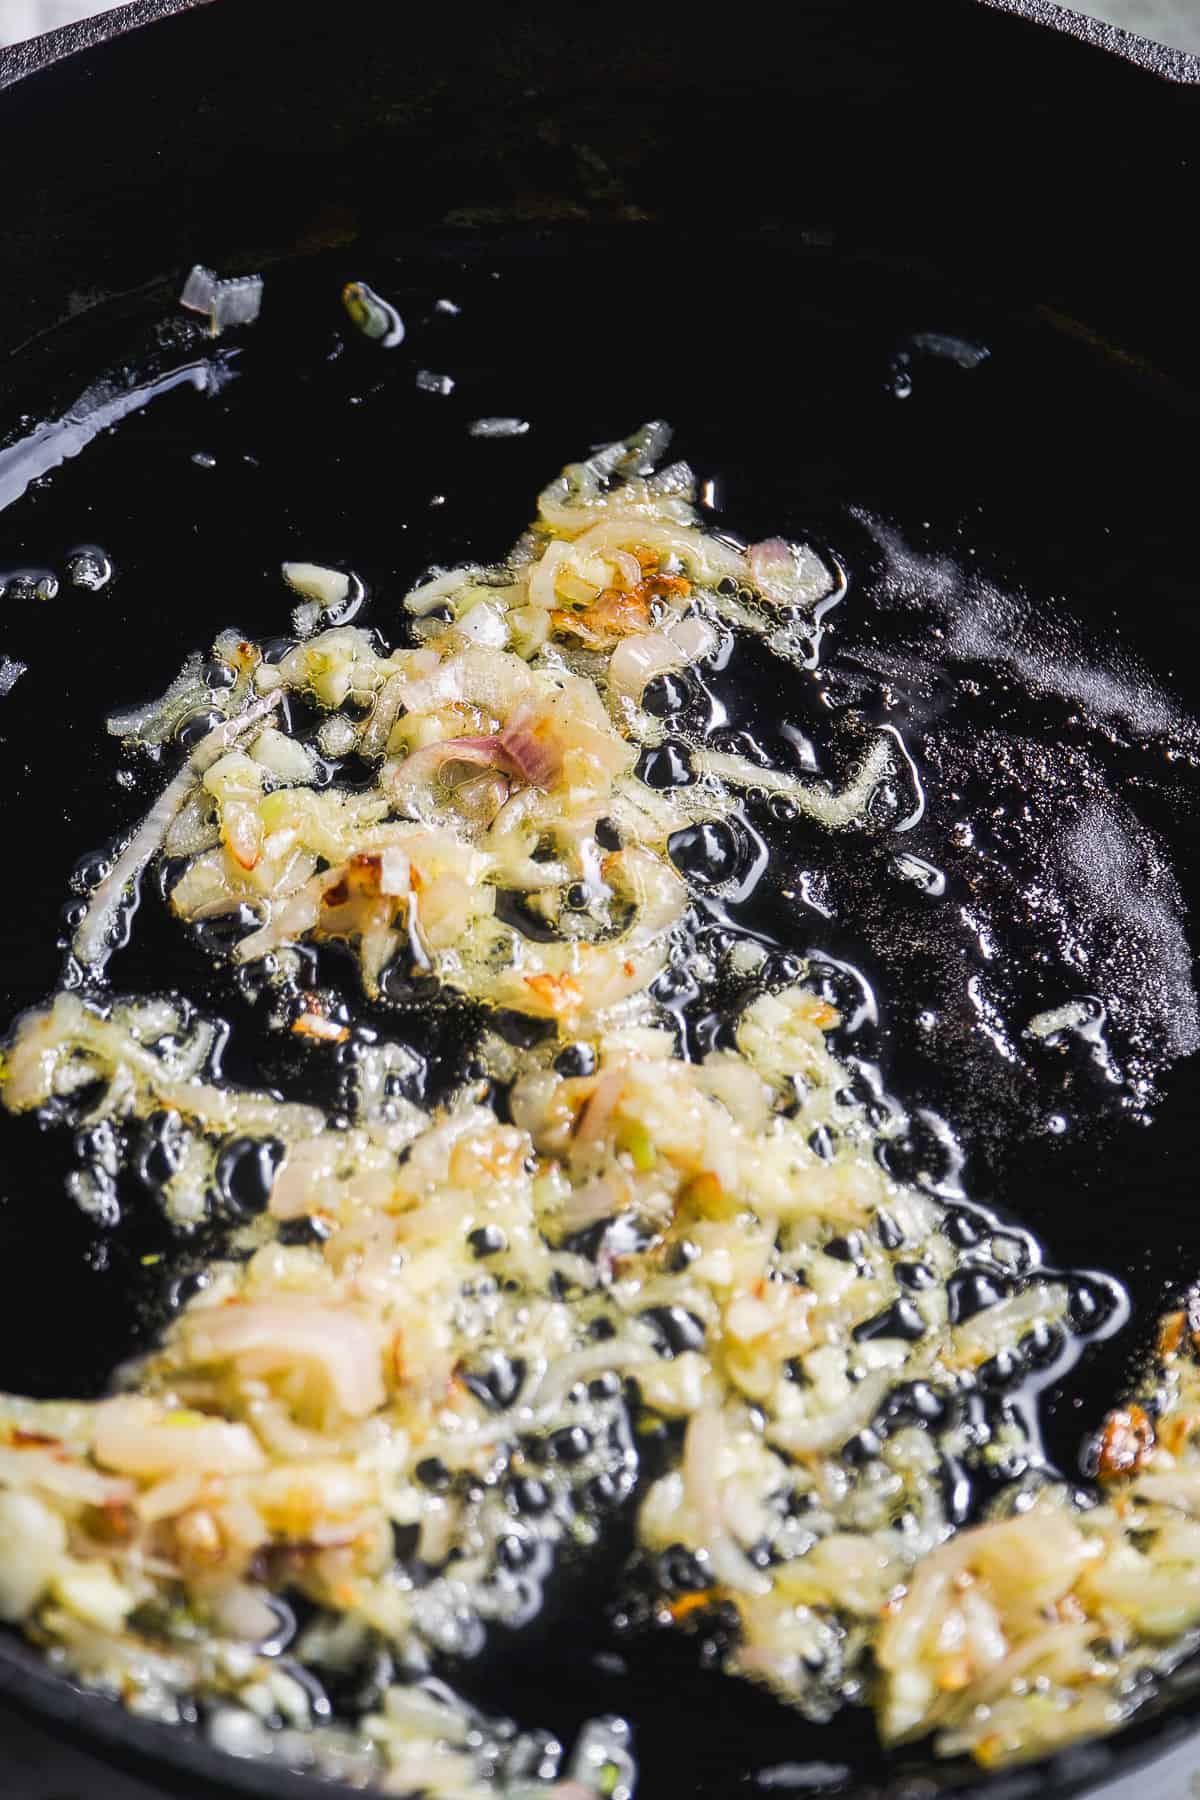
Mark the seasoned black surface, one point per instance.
(741, 243)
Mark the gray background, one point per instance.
(1174, 22)
(34, 1768)
(26, 18)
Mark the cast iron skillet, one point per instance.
(640, 214)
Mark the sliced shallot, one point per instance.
(267, 1337)
(93, 941)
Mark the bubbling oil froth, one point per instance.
(1042, 750)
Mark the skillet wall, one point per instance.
(1044, 166)
(1024, 165)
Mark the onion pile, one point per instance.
(497, 759)
(427, 1365)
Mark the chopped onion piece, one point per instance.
(395, 872)
(835, 809)
(284, 758)
(636, 662)
(703, 1455)
(371, 314)
(485, 624)
(236, 300)
(788, 574)
(329, 587)
(272, 1336)
(528, 751)
(52, 1472)
(93, 941)
(137, 1436)
(476, 676)
(498, 428)
(155, 720)
(430, 382)
(245, 1612)
(337, 736)
(638, 659)
(811, 1437)
(35, 1542)
(439, 588)
(412, 781)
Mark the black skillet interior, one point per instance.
(755, 239)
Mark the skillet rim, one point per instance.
(1164, 60)
(156, 1750)
(1181, 67)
